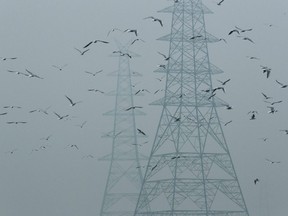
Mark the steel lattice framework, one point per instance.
(124, 177)
(190, 171)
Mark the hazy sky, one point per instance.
(59, 180)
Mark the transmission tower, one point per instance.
(125, 176)
(190, 171)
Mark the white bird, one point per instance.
(71, 101)
(282, 85)
(155, 19)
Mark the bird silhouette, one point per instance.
(131, 31)
(71, 101)
(272, 162)
(224, 83)
(82, 52)
(166, 58)
(234, 30)
(31, 75)
(266, 70)
(133, 107)
(59, 116)
(219, 3)
(155, 20)
(256, 180)
(95, 41)
(282, 85)
(141, 132)
(265, 96)
(94, 74)
(60, 68)
(8, 58)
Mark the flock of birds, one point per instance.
(239, 32)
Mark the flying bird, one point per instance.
(252, 57)
(112, 30)
(243, 30)
(12, 107)
(96, 90)
(285, 131)
(141, 132)
(123, 54)
(8, 58)
(94, 74)
(162, 66)
(234, 30)
(266, 70)
(256, 180)
(197, 36)
(219, 3)
(137, 39)
(5, 113)
(223, 83)
(272, 162)
(247, 39)
(71, 101)
(17, 72)
(265, 96)
(227, 123)
(16, 122)
(272, 110)
(282, 85)
(133, 107)
(82, 52)
(82, 125)
(31, 75)
(46, 138)
(60, 68)
(73, 146)
(166, 58)
(60, 117)
(95, 41)
(131, 31)
(155, 20)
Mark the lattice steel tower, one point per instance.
(124, 177)
(190, 171)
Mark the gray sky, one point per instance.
(56, 180)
